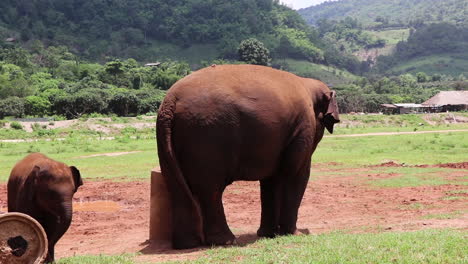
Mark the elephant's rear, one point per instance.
(186, 218)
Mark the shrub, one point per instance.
(35, 126)
(254, 52)
(12, 106)
(37, 106)
(124, 104)
(76, 105)
(16, 125)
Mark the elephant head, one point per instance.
(325, 105)
(331, 116)
(52, 187)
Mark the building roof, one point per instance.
(409, 105)
(448, 98)
(389, 105)
(152, 64)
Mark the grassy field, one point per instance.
(427, 246)
(330, 75)
(73, 151)
(72, 145)
(391, 37)
(448, 64)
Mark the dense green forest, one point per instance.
(390, 13)
(72, 58)
(156, 29)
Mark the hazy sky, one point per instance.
(297, 4)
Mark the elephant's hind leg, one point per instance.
(215, 227)
(186, 221)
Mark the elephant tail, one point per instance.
(186, 216)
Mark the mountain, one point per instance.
(397, 36)
(374, 13)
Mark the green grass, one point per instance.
(448, 64)
(329, 75)
(101, 259)
(427, 246)
(412, 177)
(130, 166)
(430, 246)
(408, 149)
(359, 124)
(392, 37)
(451, 198)
(451, 215)
(347, 151)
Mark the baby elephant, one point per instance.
(43, 188)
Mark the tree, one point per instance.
(422, 77)
(76, 105)
(37, 106)
(114, 68)
(253, 51)
(124, 103)
(12, 106)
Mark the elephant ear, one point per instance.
(332, 115)
(29, 187)
(76, 177)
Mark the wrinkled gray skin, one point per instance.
(43, 189)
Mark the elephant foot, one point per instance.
(49, 259)
(267, 232)
(290, 231)
(220, 239)
(186, 242)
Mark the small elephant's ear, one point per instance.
(76, 177)
(332, 115)
(30, 183)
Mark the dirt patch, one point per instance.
(388, 164)
(459, 165)
(113, 217)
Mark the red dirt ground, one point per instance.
(113, 217)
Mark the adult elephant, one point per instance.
(43, 189)
(239, 122)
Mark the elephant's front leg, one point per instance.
(269, 194)
(216, 230)
(55, 226)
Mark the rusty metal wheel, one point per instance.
(22, 240)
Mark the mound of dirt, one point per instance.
(389, 164)
(460, 165)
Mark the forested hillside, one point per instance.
(72, 58)
(397, 36)
(156, 29)
(385, 13)
(448, 42)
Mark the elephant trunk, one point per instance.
(63, 217)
